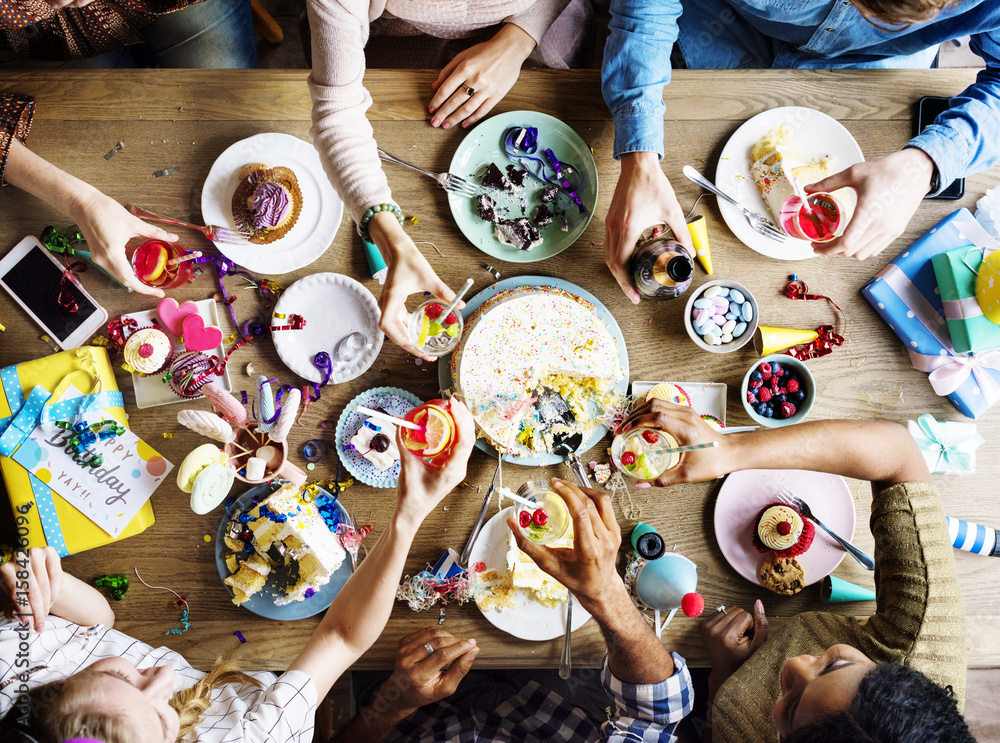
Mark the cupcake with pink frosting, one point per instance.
(267, 202)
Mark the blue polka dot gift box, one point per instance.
(906, 295)
(28, 395)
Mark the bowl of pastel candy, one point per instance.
(721, 316)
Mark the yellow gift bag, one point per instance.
(29, 395)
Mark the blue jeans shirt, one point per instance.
(803, 34)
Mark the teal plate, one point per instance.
(483, 145)
(444, 363)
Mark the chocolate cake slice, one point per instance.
(494, 178)
(549, 193)
(516, 176)
(487, 208)
(543, 216)
(518, 233)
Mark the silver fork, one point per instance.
(463, 559)
(211, 231)
(760, 224)
(789, 498)
(447, 181)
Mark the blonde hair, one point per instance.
(902, 12)
(65, 709)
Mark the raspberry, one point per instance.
(628, 457)
(764, 394)
(787, 410)
(692, 604)
(765, 368)
(784, 528)
(767, 376)
(782, 390)
(524, 519)
(451, 319)
(433, 311)
(650, 436)
(751, 397)
(539, 517)
(792, 385)
(756, 384)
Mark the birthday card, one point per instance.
(110, 490)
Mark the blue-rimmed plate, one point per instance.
(262, 604)
(483, 145)
(444, 364)
(392, 400)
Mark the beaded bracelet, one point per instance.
(371, 212)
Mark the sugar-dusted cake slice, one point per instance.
(249, 578)
(524, 573)
(282, 519)
(775, 160)
(376, 442)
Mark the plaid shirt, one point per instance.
(641, 714)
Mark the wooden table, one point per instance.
(187, 119)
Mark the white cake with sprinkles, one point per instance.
(526, 340)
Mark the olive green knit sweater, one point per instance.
(918, 621)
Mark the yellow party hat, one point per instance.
(772, 340)
(699, 235)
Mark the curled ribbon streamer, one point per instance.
(935, 437)
(117, 330)
(323, 362)
(564, 182)
(68, 304)
(948, 373)
(822, 346)
(519, 143)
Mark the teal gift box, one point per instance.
(956, 271)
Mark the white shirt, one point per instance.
(281, 711)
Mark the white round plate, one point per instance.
(745, 493)
(814, 135)
(528, 619)
(322, 209)
(334, 306)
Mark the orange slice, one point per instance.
(437, 435)
(154, 263)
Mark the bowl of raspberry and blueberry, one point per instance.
(778, 391)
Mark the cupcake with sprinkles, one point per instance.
(147, 351)
(669, 392)
(189, 372)
(782, 530)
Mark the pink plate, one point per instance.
(745, 493)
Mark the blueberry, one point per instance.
(776, 369)
(797, 396)
(756, 376)
(768, 412)
(759, 408)
(781, 398)
(790, 377)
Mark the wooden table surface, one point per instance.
(187, 118)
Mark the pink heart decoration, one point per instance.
(198, 337)
(173, 315)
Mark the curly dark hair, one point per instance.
(894, 704)
(905, 12)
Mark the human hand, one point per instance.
(409, 273)
(420, 677)
(730, 638)
(490, 69)
(643, 198)
(588, 570)
(890, 188)
(41, 580)
(107, 227)
(685, 425)
(423, 486)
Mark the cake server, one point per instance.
(463, 559)
(760, 224)
(212, 232)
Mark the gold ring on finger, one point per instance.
(470, 91)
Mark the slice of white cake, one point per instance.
(524, 573)
(383, 434)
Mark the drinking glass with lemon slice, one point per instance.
(643, 453)
(435, 330)
(158, 264)
(547, 519)
(434, 438)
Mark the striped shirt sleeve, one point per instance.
(648, 712)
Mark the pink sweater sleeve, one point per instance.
(535, 20)
(340, 130)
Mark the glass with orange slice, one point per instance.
(434, 438)
(158, 264)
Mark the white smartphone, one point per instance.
(32, 276)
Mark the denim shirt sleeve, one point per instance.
(964, 139)
(635, 69)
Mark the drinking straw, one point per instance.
(189, 257)
(508, 493)
(388, 418)
(681, 449)
(739, 429)
(458, 298)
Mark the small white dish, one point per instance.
(707, 398)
